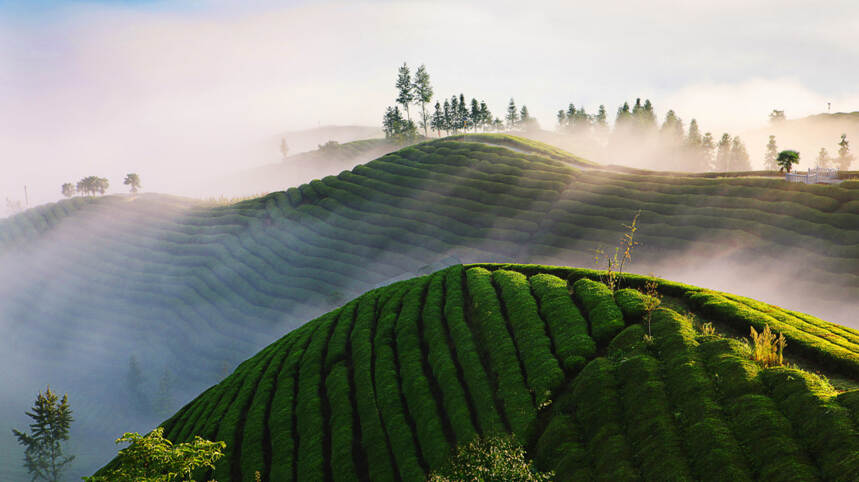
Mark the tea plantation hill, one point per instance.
(384, 387)
(88, 283)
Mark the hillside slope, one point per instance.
(384, 387)
(189, 290)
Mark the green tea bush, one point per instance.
(419, 397)
(825, 426)
(388, 393)
(529, 330)
(373, 436)
(476, 379)
(568, 327)
(605, 317)
(598, 413)
(496, 340)
(440, 359)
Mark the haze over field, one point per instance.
(202, 89)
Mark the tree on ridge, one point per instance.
(786, 160)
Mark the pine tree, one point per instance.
(707, 147)
(43, 456)
(524, 116)
(672, 128)
(423, 93)
(438, 119)
(623, 116)
(571, 116)
(823, 158)
(723, 154)
(512, 116)
(647, 117)
(448, 117)
(581, 121)
(474, 115)
(739, 156)
(600, 119)
(462, 113)
(771, 155)
(844, 156)
(485, 115)
(562, 119)
(405, 89)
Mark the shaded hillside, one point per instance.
(192, 289)
(384, 387)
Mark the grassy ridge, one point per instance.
(433, 361)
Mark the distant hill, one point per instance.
(309, 139)
(806, 135)
(189, 289)
(329, 158)
(386, 386)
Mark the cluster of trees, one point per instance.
(452, 116)
(638, 133)
(844, 159)
(92, 185)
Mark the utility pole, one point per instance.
(26, 198)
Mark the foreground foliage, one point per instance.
(494, 459)
(152, 458)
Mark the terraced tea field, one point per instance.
(384, 387)
(194, 289)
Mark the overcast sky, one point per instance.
(188, 87)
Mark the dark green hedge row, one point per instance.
(341, 456)
(755, 418)
(822, 424)
(605, 317)
(598, 412)
(649, 420)
(235, 415)
(850, 399)
(567, 326)
(380, 460)
(544, 374)
(714, 453)
(424, 409)
(559, 450)
(496, 340)
(253, 444)
(389, 394)
(476, 379)
(741, 317)
(311, 423)
(841, 336)
(632, 303)
(440, 348)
